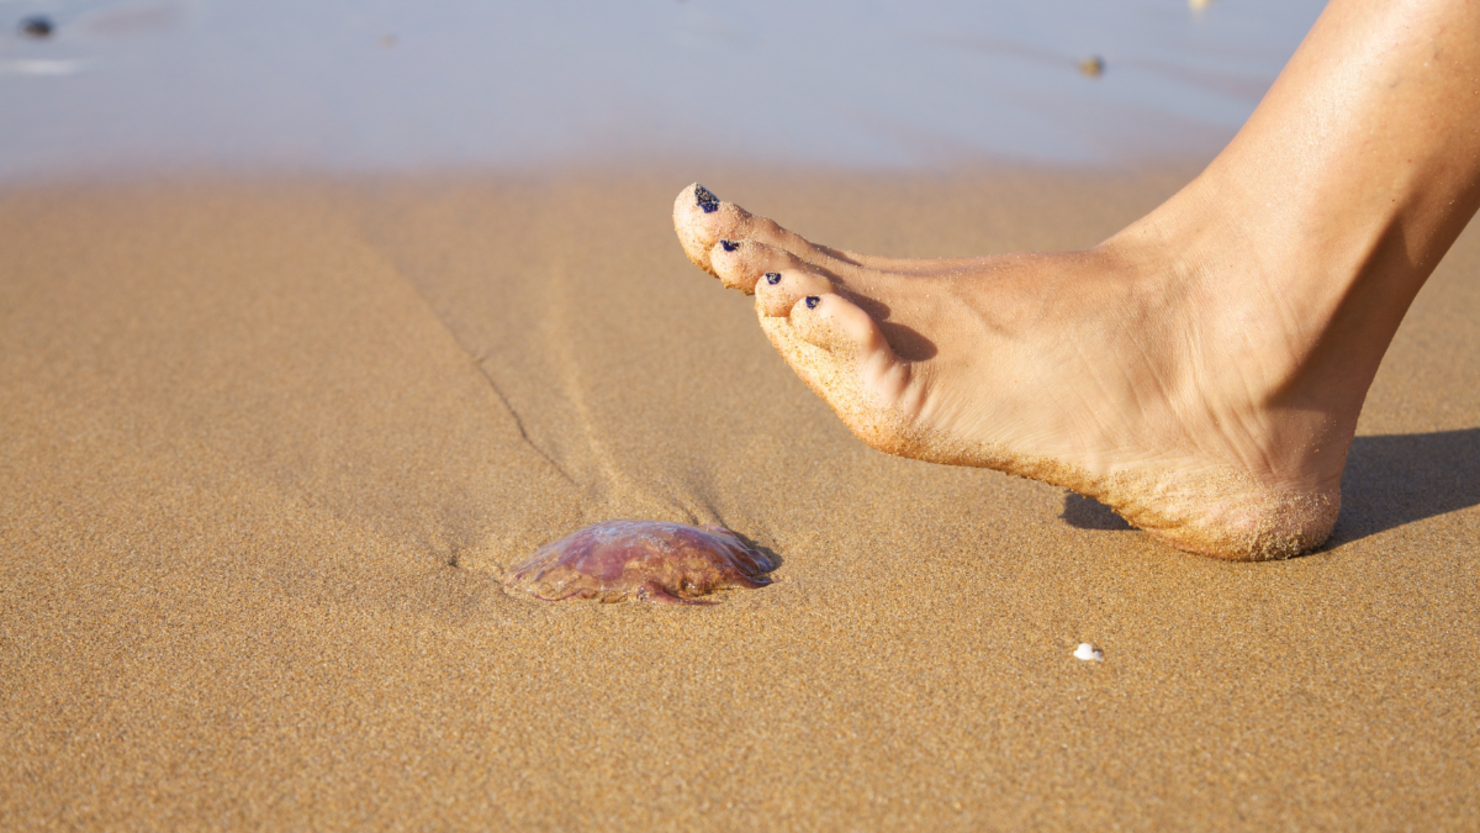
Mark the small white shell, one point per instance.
(1088, 653)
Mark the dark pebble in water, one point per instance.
(654, 560)
(37, 26)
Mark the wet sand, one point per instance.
(266, 450)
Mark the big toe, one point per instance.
(702, 220)
(696, 220)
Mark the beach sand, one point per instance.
(267, 448)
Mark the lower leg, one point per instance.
(1200, 372)
(1352, 179)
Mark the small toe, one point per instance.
(840, 352)
(779, 290)
(835, 324)
(741, 264)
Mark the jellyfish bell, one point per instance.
(656, 561)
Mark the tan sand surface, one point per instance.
(266, 449)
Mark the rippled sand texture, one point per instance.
(267, 451)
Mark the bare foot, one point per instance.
(1128, 373)
(1202, 371)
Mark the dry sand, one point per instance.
(265, 450)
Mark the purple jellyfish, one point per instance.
(654, 560)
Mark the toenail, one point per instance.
(773, 278)
(813, 301)
(729, 245)
(705, 199)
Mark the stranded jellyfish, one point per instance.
(661, 562)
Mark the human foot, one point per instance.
(1110, 372)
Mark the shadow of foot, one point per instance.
(1396, 479)
(1087, 513)
(1390, 480)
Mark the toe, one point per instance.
(840, 352)
(702, 220)
(853, 337)
(741, 264)
(835, 324)
(779, 289)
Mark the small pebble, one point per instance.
(1093, 66)
(1088, 653)
(37, 26)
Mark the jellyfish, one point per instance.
(653, 560)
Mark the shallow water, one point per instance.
(396, 85)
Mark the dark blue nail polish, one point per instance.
(813, 301)
(705, 199)
(729, 245)
(773, 278)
